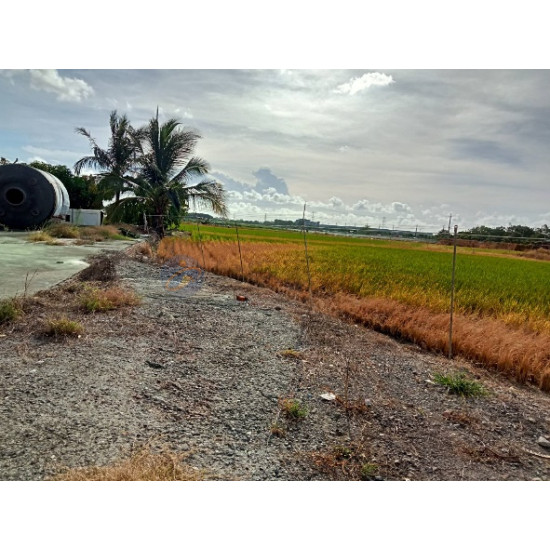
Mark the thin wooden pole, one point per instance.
(202, 250)
(240, 252)
(307, 255)
(452, 296)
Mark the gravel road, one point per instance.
(204, 372)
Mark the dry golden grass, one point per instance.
(507, 344)
(143, 248)
(62, 231)
(94, 298)
(538, 254)
(142, 465)
(82, 233)
(40, 237)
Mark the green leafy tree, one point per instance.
(168, 178)
(114, 164)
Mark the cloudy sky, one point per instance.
(368, 146)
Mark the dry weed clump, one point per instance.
(63, 327)
(101, 233)
(94, 298)
(62, 231)
(142, 465)
(346, 463)
(141, 251)
(40, 237)
(102, 268)
(10, 310)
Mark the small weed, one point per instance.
(368, 471)
(345, 462)
(40, 236)
(352, 406)
(341, 452)
(291, 354)
(97, 299)
(9, 310)
(277, 430)
(63, 327)
(458, 384)
(459, 417)
(293, 409)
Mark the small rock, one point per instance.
(543, 442)
(368, 403)
(329, 396)
(155, 365)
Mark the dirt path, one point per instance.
(205, 373)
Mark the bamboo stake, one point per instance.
(452, 297)
(240, 252)
(306, 253)
(202, 250)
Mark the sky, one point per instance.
(378, 147)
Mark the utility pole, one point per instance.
(450, 218)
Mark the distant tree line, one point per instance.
(501, 233)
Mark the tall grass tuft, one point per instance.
(10, 310)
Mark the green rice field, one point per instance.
(493, 283)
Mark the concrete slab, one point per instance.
(42, 265)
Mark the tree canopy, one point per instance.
(161, 177)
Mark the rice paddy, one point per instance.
(386, 284)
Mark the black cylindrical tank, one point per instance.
(29, 197)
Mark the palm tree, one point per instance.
(164, 185)
(116, 161)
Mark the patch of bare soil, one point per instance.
(211, 376)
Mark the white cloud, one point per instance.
(66, 89)
(52, 156)
(185, 114)
(368, 80)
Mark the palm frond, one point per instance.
(193, 168)
(211, 194)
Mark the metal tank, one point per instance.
(29, 197)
